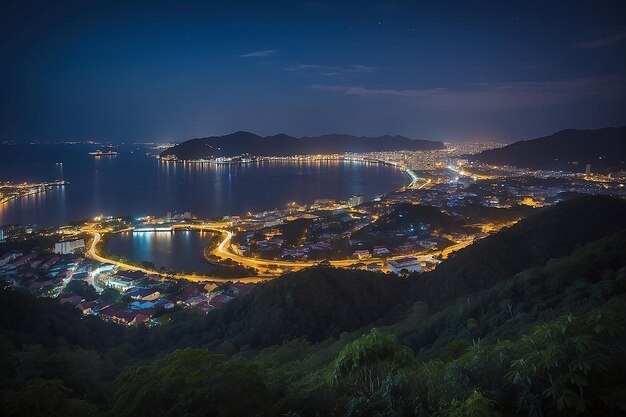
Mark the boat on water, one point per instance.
(103, 153)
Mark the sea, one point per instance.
(135, 183)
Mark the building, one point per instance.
(69, 246)
(8, 257)
(588, 169)
(272, 223)
(415, 160)
(1, 235)
(355, 200)
(125, 282)
(380, 251)
(144, 294)
(410, 264)
(166, 227)
(322, 202)
(362, 254)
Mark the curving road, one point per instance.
(267, 269)
(97, 236)
(223, 251)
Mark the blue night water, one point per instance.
(180, 250)
(133, 183)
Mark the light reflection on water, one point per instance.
(134, 184)
(179, 250)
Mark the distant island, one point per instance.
(240, 143)
(568, 150)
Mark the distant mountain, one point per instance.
(239, 143)
(568, 150)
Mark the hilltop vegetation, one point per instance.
(551, 233)
(526, 322)
(316, 303)
(414, 217)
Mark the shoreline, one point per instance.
(296, 158)
(42, 188)
(227, 235)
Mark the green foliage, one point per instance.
(148, 265)
(562, 361)
(371, 369)
(530, 335)
(476, 405)
(110, 296)
(393, 399)
(192, 382)
(548, 234)
(368, 361)
(81, 288)
(316, 303)
(44, 398)
(587, 279)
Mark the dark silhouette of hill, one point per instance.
(415, 217)
(568, 150)
(484, 318)
(315, 303)
(318, 303)
(551, 233)
(239, 143)
(480, 213)
(27, 320)
(576, 284)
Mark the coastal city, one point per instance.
(312, 208)
(10, 191)
(448, 202)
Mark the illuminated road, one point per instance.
(265, 265)
(91, 253)
(425, 184)
(267, 268)
(411, 175)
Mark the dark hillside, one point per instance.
(239, 143)
(415, 218)
(315, 303)
(586, 279)
(569, 150)
(27, 320)
(551, 233)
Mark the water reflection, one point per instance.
(134, 184)
(179, 250)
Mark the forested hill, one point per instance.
(239, 143)
(537, 332)
(318, 303)
(568, 150)
(551, 233)
(25, 320)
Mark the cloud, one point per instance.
(494, 96)
(259, 54)
(330, 70)
(605, 41)
(360, 68)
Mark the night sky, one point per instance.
(172, 70)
